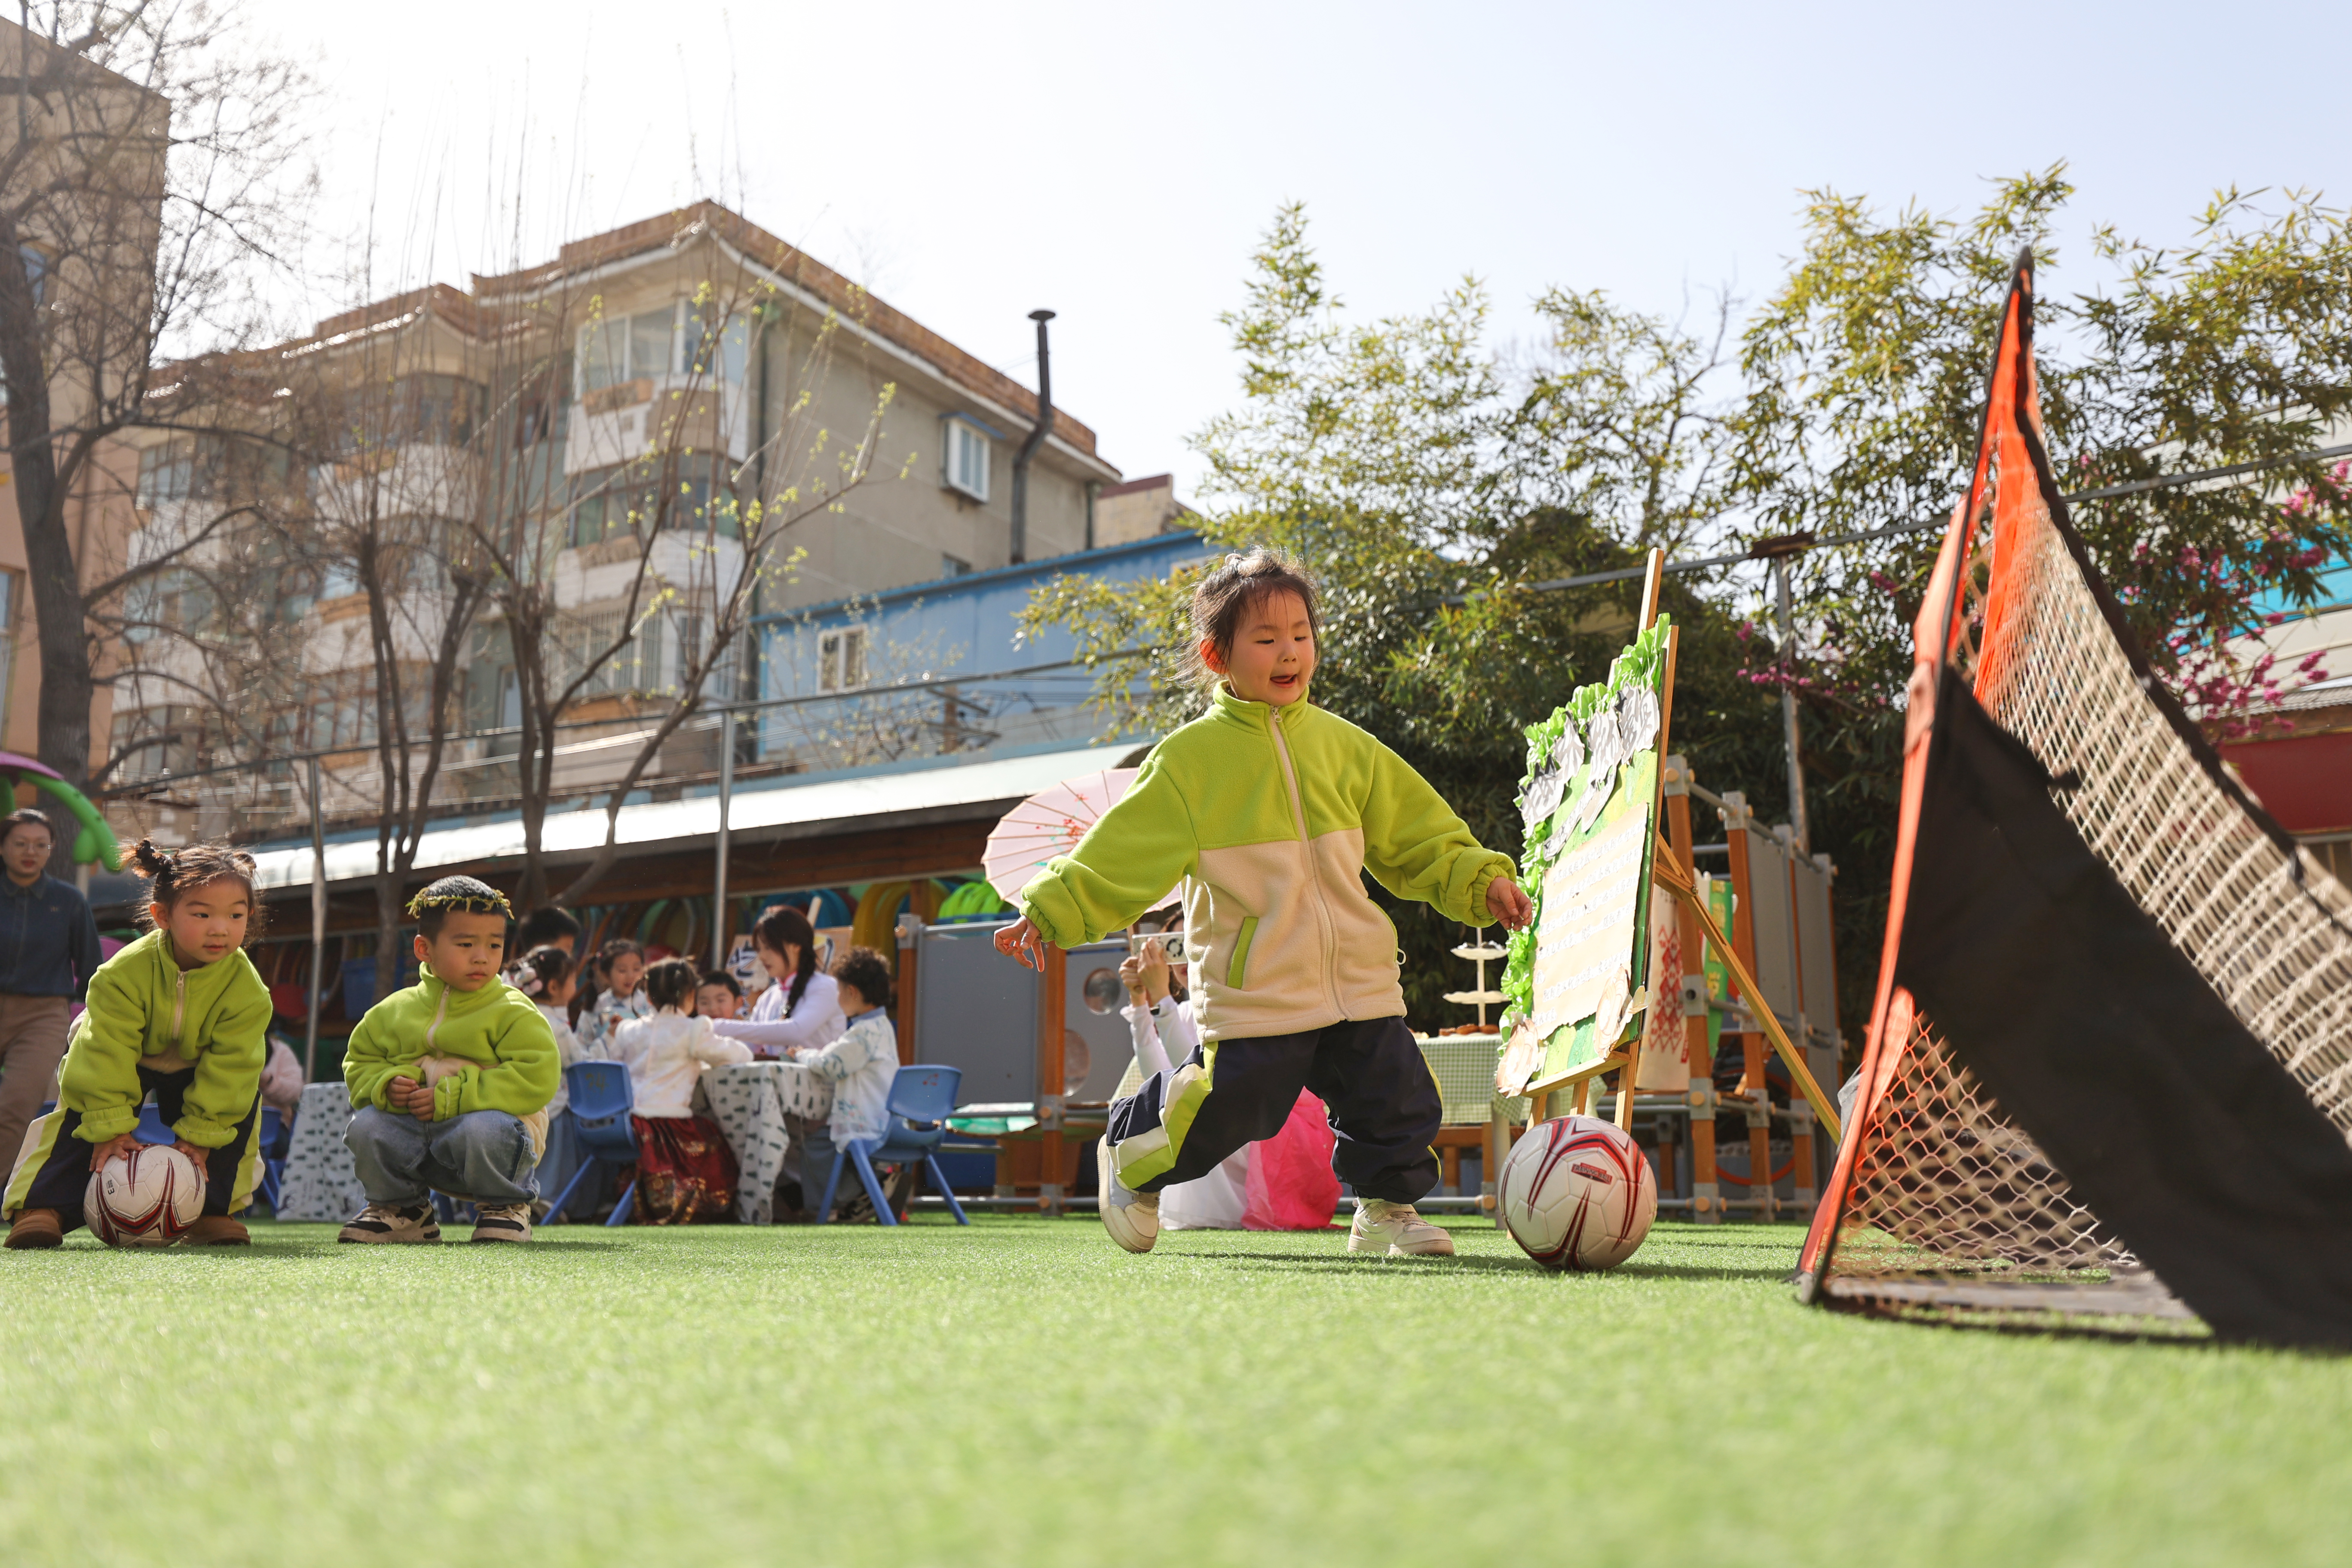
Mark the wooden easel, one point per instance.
(1674, 871)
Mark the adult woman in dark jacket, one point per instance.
(48, 951)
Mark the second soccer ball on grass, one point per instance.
(1578, 1193)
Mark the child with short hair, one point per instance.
(719, 997)
(686, 1171)
(861, 1063)
(450, 1081)
(1269, 810)
(182, 1014)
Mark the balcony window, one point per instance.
(720, 348)
(620, 349)
(167, 473)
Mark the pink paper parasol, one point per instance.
(1047, 824)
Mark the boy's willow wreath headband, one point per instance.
(461, 894)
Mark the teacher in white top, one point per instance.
(801, 1010)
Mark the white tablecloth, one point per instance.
(750, 1103)
(320, 1182)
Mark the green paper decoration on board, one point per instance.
(1589, 799)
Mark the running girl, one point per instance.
(1270, 809)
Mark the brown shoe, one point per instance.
(37, 1228)
(217, 1230)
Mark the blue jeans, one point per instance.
(483, 1156)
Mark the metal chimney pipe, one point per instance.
(1044, 427)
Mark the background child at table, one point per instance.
(182, 1014)
(1282, 1182)
(547, 975)
(801, 1010)
(620, 974)
(719, 997)
(449, 1080)
(861, 1063)
(685, 1171)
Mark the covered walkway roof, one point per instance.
(907, 795)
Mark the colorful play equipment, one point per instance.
(95, 841)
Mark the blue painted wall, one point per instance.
(954, 627)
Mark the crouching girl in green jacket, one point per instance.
(1269, 810)
(180, 1015)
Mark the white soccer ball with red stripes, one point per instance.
(1578, 1193)
(148, 1197)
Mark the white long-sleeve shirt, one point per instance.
(567, 1051)
(818, 1021)
(1218, 1200)
(861, 1065)
(598, 1023)
(666, 1054)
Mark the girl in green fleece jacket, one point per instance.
(182, 1014)
(1268, 810)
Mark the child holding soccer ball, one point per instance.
(1270, 809)
(450, 1081)
(182, 1014)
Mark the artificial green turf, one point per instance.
(1021, 1392)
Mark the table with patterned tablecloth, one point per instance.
(750, 1102)
(320, 1182)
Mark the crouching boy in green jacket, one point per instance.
(449, 1080)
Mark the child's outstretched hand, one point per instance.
(1510, 903)
(1023, 942)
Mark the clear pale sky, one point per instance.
(1116, 163)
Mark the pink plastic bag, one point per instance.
(1291, 1186)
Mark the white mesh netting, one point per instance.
(1943, 1188)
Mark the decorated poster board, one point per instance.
(1577, 977)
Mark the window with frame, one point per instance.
(622, 347)
(841, 659)
(167, 472)
(718, 345)
(964, 456)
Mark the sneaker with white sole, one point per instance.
(502, 1222)
(1396, 1230)
(1132, 1218)
(392, 1223)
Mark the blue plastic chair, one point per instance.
(920, 1100)
(601, 1105)
(151, 1128)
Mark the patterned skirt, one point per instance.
(685, 1171)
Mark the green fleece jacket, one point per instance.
(497, 1032)
(145, 1008)
(1270, 817)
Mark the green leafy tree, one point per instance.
(1429, 487)
(1865, 374)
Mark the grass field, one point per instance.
(1023, 1392)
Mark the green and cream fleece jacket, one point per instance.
(1269, 816)
(489, 1049)
(146, 1011)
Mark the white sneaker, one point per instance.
(1397, 1230)
(1132, 1218)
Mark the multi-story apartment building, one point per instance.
(605, 466)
